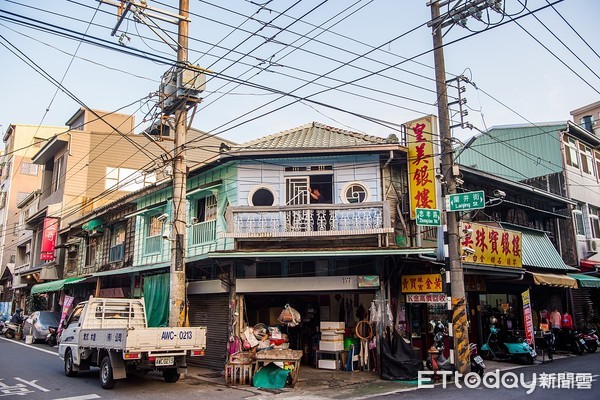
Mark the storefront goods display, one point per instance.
(289, 316)
(288, 359)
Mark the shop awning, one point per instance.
(538, 251)
(589, 265)
(55, 286)
(131, 270)
(554, 280)
(91, 225)
(586, 280)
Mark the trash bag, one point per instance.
(398, 361)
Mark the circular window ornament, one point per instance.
(262, 196)
(355, 192)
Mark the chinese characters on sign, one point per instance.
(49, 238)
(426, 298)
(421, 164)
(428, 283)
(427, 217)
(491, 245)
(528, 319)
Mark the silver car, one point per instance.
(39, 323)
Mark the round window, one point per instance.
(262, 197)
(355, 193)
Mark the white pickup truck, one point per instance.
(113, 334)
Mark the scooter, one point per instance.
(51, 338)
(12, 329)
(477, 364)
(570, 340)
(512, 349)
(591, 340)
(435, 358)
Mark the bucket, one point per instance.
(28, 339)
(350, 341)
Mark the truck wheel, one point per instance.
(170, 375)
(106, 374)
(69, 370)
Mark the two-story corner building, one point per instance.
(308, 217)
(20, 177)
(562, 158)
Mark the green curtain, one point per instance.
(156, 297)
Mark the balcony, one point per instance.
(309, 220)
(202, 232)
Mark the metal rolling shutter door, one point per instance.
(582, 300)
(211, 311)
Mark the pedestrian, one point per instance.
(315, 195)
(555, 319)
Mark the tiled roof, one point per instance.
(314, 135)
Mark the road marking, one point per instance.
(30, 346)
(82, 397)
(33, 384)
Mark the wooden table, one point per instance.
(265, 357)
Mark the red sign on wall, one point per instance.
(49, 238)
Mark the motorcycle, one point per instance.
(512, 349)
(11, 329)
(570, 340)
(477, 364)
(435, 358)
(591, 339)
(51, 338)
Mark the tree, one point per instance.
(35, 302)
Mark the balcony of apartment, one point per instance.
(331, 221)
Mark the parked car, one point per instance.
(38, 324)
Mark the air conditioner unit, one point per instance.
(594, 245)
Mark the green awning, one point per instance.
(537, 250)
(55, 286)
(586, 280)
(92, 224)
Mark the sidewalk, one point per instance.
(316, 383)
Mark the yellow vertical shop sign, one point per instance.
(491, 245)
(421, 164)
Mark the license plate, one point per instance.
(164, 361)
(478, 359)
(581, 341)
(533, 353)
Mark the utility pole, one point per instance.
(180, 87)
(177, 310)
(458, 326)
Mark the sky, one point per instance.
(361, 65)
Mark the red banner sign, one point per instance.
(527, 318)
(49, 238)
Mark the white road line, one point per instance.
(82, 397)
(55, 352)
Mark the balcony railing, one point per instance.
(153, 245)
(116, 252)
(203, 232)
(309, 220)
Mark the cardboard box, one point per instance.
(332, 325)
(331, 346)
(332, 337)
(328, 364)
